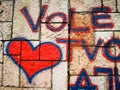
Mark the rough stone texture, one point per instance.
(105, 36)
(64, 24)
(10, 73)
(82, 21)
(117, 35)
(41, 80)
(1, 51)
(5, 31)
(85, 6)
(50, 36)
(20, 26)
(59, 6)
(118, 6)
(6, 8)
(100, 81)
(114, 19)
(60, 83)
(111, 4)
(80, 60)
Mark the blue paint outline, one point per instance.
(34, 26)
(104, 16)
(92, 55)
(89, 86)
(57, 14)
(78, 29)
(106, 50)
(33, 48)
(110, 74)
(117, 80)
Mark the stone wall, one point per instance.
(59, 44)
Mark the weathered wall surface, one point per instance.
(59, 44)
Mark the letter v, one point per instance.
(29, 19)
(92, 55)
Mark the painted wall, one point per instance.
(59, 45)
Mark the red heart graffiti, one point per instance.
(33, 59)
